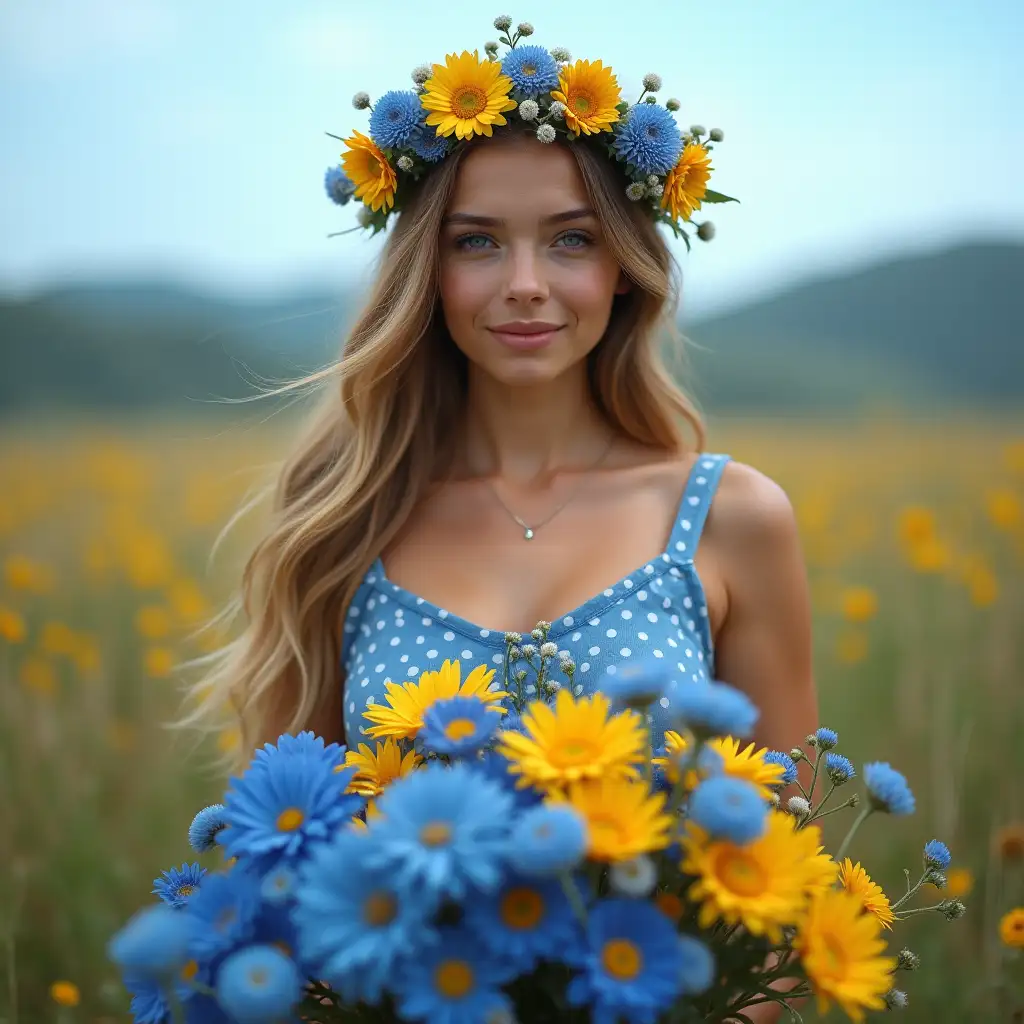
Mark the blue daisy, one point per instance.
(532, 69)
(278, 886)
(224, 911)
(826, 738)
(527, 919)
(637, 685)
(494, 766)
(548, 840)
(305, 743)
(353, 923)
(937, 855)
(457, 726)
(649, 139)
(443, 829)
(789, 772)
(888, 789)
(396, 115)
(729, 808)
(632, 965)
(259, 984)
(157, 941)
(428, 145)
(202, 833)
(176, 886)
(339, 186)
(840, 769)
(456, 981)
(698, 971)
(715, 709)
(149, 1001)
(289, 796)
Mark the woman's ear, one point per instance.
(625, 285)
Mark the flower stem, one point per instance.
(910, 892)
(861, 818)
(573, 896)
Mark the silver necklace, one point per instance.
(529, 531)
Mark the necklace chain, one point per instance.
(529, 531)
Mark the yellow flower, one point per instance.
(368, 169)
(1003, 508)
(187, 600)
(854, 879)
(153, 621)
(403, 717)
(1009, 842)
(378, 768)
(12, 626)
(159, 662)
(859, 604)
(763, 885)
(959, 882)
(916, 525)
(39, 675)
(748, 764)
(852, 646)
(65, 993)
(930, 556)
(624, 818)
(574, 740)
(591, 94)
(841, 950)
(1011, 929)
(466, 96)
(687, 182)
(22, 573)
(675, 746)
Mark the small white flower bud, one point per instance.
(520, 676)
(502, 22)
(528, 110)
(907, 961)
(651, 99)
(635, 191)
(775, 800)
(553, 685)
(896, 999)
(706, 231)
(560, 54)
(537, 632)
(361, 100)
(717, 135)
(557, 110)
(952, 909)
(546, 133)
(421, 73)
(491, 47)
(529, 650)
(798, 807)
(634, 878)
(797, 754)
(524, 28)
(652, 82)
(656, 191)
(404, 163)
(672, 104)
(937, 878)
(653, 179)
(514, 653)
(697, 129)
(513, 638)
(548, 650)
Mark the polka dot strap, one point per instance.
(693, 509)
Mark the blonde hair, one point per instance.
(385, 429)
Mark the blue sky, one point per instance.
(186, 138)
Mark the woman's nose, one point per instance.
(525, 280)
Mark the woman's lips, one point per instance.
(525, 342)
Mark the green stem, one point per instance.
(861, 818)
(904, 914)
(824, 800)
(177, 1011)
(814, 775)
(573, 896)
(910, 892)
(825, 814)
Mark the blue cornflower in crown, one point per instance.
(410, 131)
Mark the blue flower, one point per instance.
(149, 1003)
(826, 738)
(532, 69)
(698, 970)
(649, 139)
(494, 766)
(442, 829)
(306, 744)
(715, 709)
(202, 833)
(259, 984)
(278, 885)
(156, 941)
(458, 726)
(888, 789)
(840, 769)
(632, 964)
(177, 885)
(428, 145)
(396, 115)
(637, 685)
(729, 808)
(225, 911)
(353, 924)
(455, 981)
(789, 773)
(339, 186)
(525, 920)
(548, 840)
(937, 855)
(289, 796)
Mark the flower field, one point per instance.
(914, 538)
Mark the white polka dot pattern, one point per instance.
(660, 606)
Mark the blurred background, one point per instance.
(857, 333)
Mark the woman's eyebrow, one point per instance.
(496, 222)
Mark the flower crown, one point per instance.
(412, 130)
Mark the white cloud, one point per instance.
(50, 36)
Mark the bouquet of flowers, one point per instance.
(507, 850)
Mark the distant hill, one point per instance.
(942, 328)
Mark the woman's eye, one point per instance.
(472, 242)
(574, 240)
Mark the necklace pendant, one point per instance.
(528, 533)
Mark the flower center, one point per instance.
(740, 873)
(575, 751)
(186, 890)
(225, 919)
(190, 970)
(605, 831)
(258, 976)
(522, 908)
(528, 69)
(670, 905)
(460, 729)
(581, 102)
(379, 909)
(468, 101)
(436, 833)
(289, 819)
(454, 978)
(621, 959)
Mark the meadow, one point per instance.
(914, 539)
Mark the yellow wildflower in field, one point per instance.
(65, 993)
(158, 662)
(12, 626)
(23, 573)
(916, 525)
(1011, 929)
(147, 561)
(38, 675)
(959, 882)
(854, 879)
(982, 586)
(57, 638)
(852, 646)
(859, 604)
(1009, 843)
(153, 621)
(930, 556)
(85, 653)
(229, 740)
(1003, 507)
(187, 600)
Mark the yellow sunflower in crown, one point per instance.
(466, 96)
(854, 879)
(590, 92)
(368, 169)
(402, 717)
(687, 183)
(378, 768)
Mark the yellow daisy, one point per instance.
(591, 94)
(675, 746)
(841, 949)
(763, 885)
(1011, 929)
(402, 718)
(466, 96)
(368, 169)
(854, 879)
(687, 182)
(377, 768)
(574, 740)
(748, 764)
(624, 818)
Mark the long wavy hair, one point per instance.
(386, 427)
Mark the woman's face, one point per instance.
(527, 280)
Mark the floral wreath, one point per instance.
(411, 130)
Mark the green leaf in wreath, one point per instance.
(717, 197)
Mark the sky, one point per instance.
(186, 140)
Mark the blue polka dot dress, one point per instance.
(658, 611)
